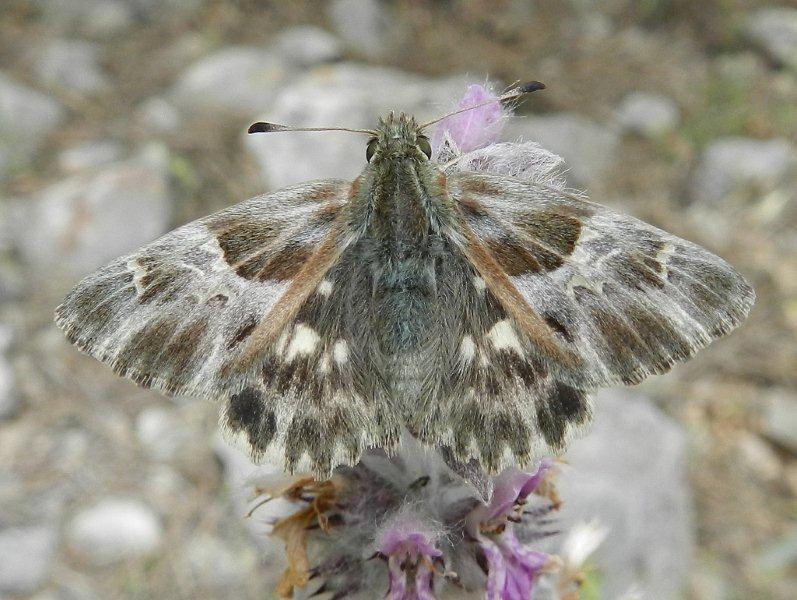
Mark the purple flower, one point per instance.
(407, 545)
(430, 527)
(510, 490)
(471, 129)
(511, 566)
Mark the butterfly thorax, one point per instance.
(402, 248)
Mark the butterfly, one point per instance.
(472, 307)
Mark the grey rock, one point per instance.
(731, 164)
(161, 433)
(26, 118)
(779, 554)
(152, 7)
(239, 81)
(71, 65)
(650, 115)
(95, 18)
(114, 530)
(9, 397)
(212, 564)
(307, 46)
(106, 18)
(775, 31)
(163, 483)
(710, 582)
(344, 94)
(363, 25)
(759, 457)
(158, 115)
(89, 155)
(780, 418)
(26, 558)
(89, 219)
(629, 473)
(589, 149)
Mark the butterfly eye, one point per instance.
(371, 149)
(425, 146)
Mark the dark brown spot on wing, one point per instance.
(512, 256)
(472, 208)
(243, 332)
(242, 240)
(555, 231)
(184, 346)
(143, 350)
(637, 271)
(480, 186)
(620, 348)
(558, 326)
(247, 412)
(246, 409)
(563, 406)
(160, 283)
(286, 263)
(549, 260)
(568, 403)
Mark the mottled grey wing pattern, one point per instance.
(528, 298)
(214, 309)
(581, 297)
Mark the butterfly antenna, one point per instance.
(513, 94)
(262, 127)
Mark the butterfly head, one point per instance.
(398, 137)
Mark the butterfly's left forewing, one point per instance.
(241, 306)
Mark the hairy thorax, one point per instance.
(405, 249)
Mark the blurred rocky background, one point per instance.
(120, 119)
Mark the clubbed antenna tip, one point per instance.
(513, 94)
(531, 86)
(263, 127)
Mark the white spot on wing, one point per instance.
(467, 349)
(138, 273)
(325, 288)
(340, 352)
(304, 341)
(579, 280)
(479, 284)
(503, 337)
